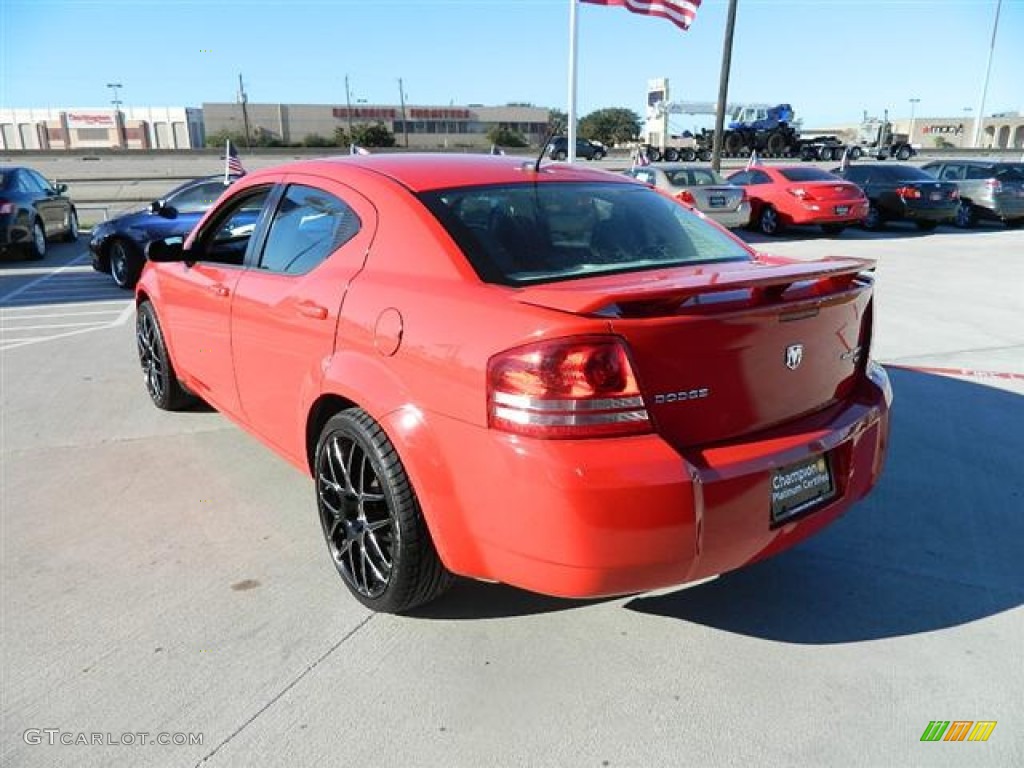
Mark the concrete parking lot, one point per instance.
(164, 574)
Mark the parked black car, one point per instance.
(989, 189)
(32, 211)
(902, 192)
(558, 149)
(119, 245)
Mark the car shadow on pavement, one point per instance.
(937, 544)
(468, 599)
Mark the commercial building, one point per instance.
(417, 126)
(101, 128)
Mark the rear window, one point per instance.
(533, 233)
(807, 174)
(694, 177)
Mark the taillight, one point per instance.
(908, 192)
(6, 207)
(800, 192)
(686, 196)
(994, 185)
(566, 388)
(955, 194)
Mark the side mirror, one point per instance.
(61, 188)
(161, 208)
(167, 250)
(156, 206)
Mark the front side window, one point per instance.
(225, 237)
(308, 226)
(529, 233)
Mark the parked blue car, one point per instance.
(119, 245)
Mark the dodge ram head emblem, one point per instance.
(794, 356)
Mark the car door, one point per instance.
(286, 307)
(196, 297)
(52, 206)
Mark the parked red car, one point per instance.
(557, 378)
(782, 196)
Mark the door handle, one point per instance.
(309, 309)
(218, 290)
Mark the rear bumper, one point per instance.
(936, 213)
(1008, 208)
(825, 212)
(730, 219)
(587, 518)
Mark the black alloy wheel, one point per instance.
(371, 519)
(124, 263)
(966, 217)
(874, 220)
(161, 381)
(769, 222)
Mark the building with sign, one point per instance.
(419, 126)
(101, 128)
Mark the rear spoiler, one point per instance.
(767, 278)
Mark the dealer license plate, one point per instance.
(716, 201)
(842, 210)
(937, 195)
(800, 488)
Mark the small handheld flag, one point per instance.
(232, 164)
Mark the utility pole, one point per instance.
(988, 71)
(244, 100)
(405, 123)
(910, 131)
(348, 104)
(118, 122)
(723, 87)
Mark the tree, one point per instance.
(613, 125)
(376, 135)
(316, 140)
(503, 137)
(557, 121)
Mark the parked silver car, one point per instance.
(989, 189)
(701, 187)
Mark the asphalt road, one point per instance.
(165, 574)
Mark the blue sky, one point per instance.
(830, 59)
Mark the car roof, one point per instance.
(421, 172)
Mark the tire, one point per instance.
(654, 155)
(599, 155)
(559, 155)
(776, 144)
(903, 153)
(833, 228)
(733, 144)
(856, 153)
(966, 216)
(687, 155)
(768, 222)
(371, 520)
(704, 155)
(35, 248)
(874, 221)
(162, 382)
(927, 226)
(671, 155)
(825, 154)
(71, 236)
(125, 263)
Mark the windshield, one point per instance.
(807, 174)
(529, 233)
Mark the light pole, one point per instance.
(115, 87)
(988, 71)
(910, 131)
(405, 123)
(348, 105)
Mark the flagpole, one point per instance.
(984, 88)
(227, 161)
(571, 135)
(723, 88)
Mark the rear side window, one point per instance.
(308, 226)
(529, 233)
(1010, 173)
(979, 172)
(902, 173)
(807, 174)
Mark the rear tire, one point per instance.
(769, 222)
(903, 153)
(162, 382)
(71, 236)
(687, 155)
(671, 155)
(559, 155)
(825, 154)
(733, 144)
(874, 221)
(966, 216)
(371, 519)
(704, 155)
(776, 145)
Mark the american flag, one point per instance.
(679, 12)
(234, 165)
(640, 157)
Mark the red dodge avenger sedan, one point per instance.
(547, 376)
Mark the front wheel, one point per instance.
(125, 264)
(371, 519)
(35, 249)
(856, 153)
(966, 217)
(903, 153)
(161, 381)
